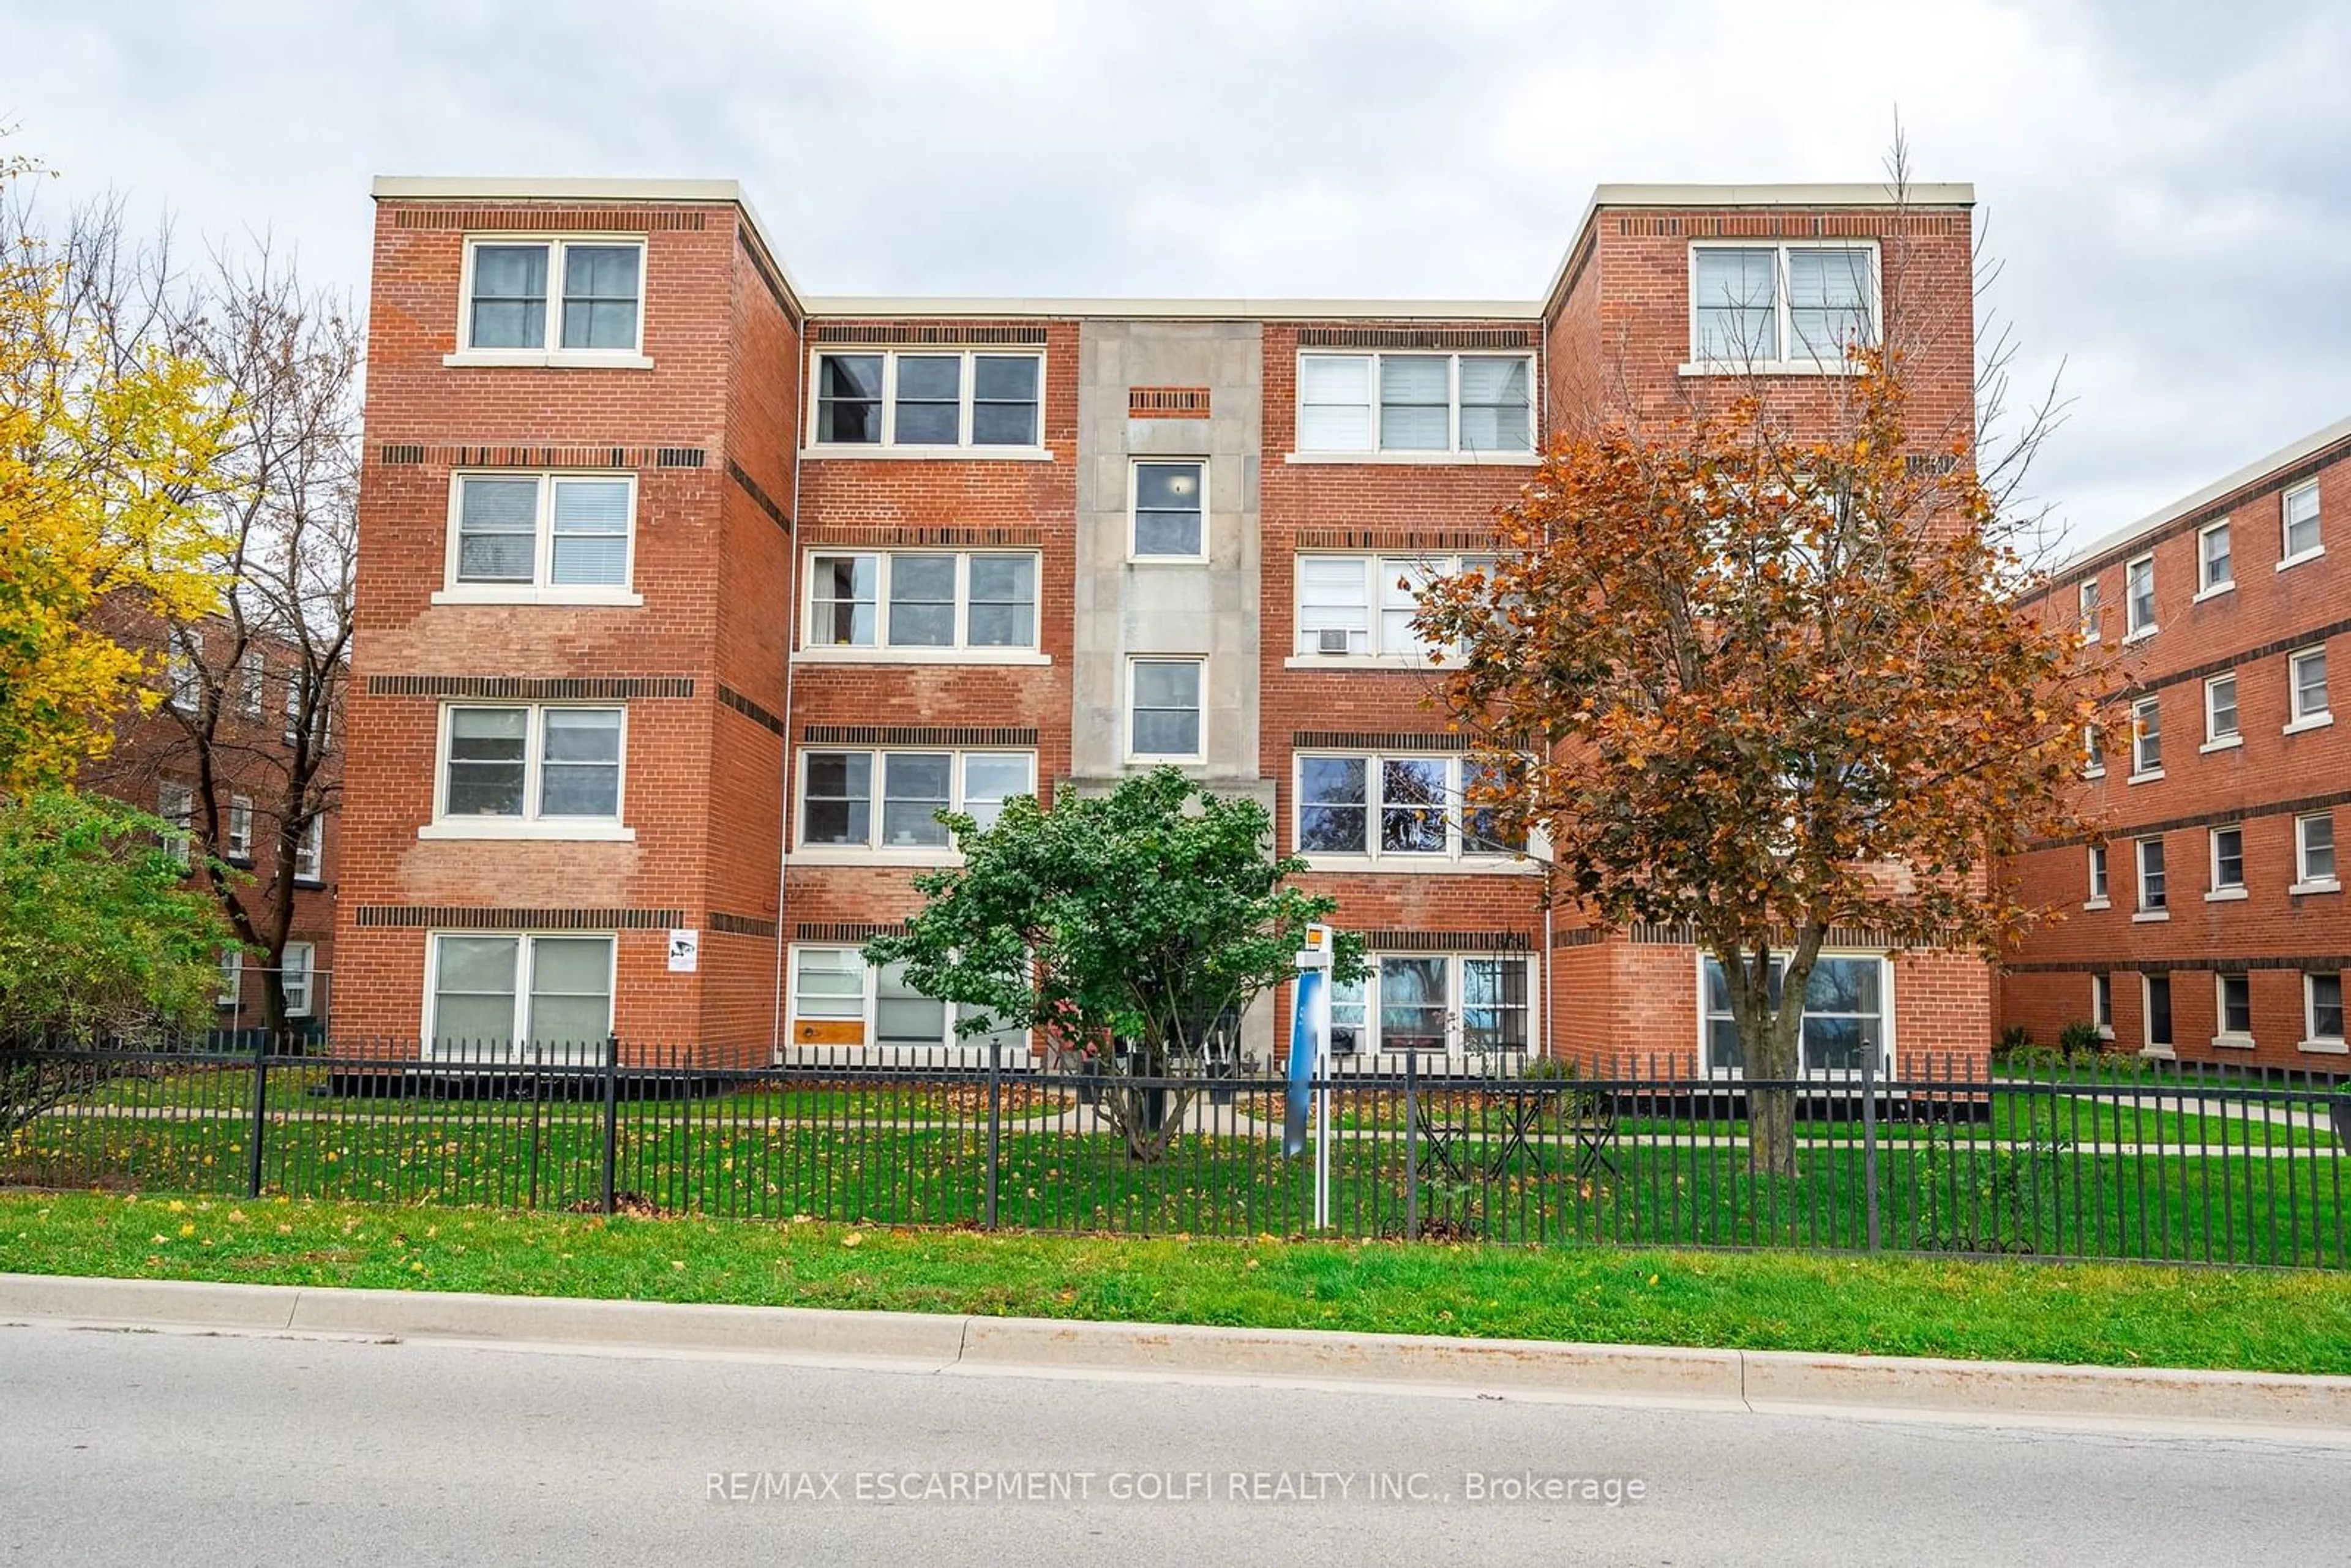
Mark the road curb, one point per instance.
(1762, 1381)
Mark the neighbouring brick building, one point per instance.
(686, 599)
(2209, 924)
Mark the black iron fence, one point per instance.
(2120, 1161)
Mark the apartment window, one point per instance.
(2314, 852)
(2146, 738)
(2102, 1004)
(2138, 597)
(309, 851)
(176, 804)
(2097, 898)
(2089, 611)
(928, 401)
(1164, 709)
(231, 977)
(595, 307)
(2306, 682)
(837, 998)
(906, 600)
(1170, 512)
(251, 671)
(538, 989)
(2221, 711)
(1451, 404)
(240, 828)
(2150, 875)
(531, 764)
(184, 683)
(1364, 605)
(2322, 1007)
(2093, 762)
(2232, 1006)
(2213, 570)
(1433, 1002)
(1845, 1014)
(2156, 999)
(838, 803)
(294, 973)
(1771, 304)
(292, 706)
(1398, 808)
(2300, 513)
(2229, 861)
(514, 532)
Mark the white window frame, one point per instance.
(252, 675)
(2147, 1014)
(300, 959)
(551, 352)
(2299, 718)
(2303, 882)
(1135, 467)
(1784, 333)
(1378, 571)
(2094, 761)
(1887, 1017)
(2145, 910)
(530, 824)
(540, 589)
(2133, 627)
(872, 848)
(183, 676)
(2216, 891)
(889, 446)
(1367, 1057)
(525, 962)
(230, 994)
(2102, 1004)
(180, 845)
(2222, 1035)
(2142, 771)
(2218, 740)
(310, 850)
(2329, 1044)
(1455, 859)
(238, 844)
(1127, 711)
(2098, 882)
(2287, 555)
(882, 651)
(1453, 451)
(952, 1046)
(2206, 586)
(2088, 612)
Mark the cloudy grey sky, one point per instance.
(2167, 181)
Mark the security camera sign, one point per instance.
(685, 952)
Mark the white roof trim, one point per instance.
(2252, 473)
(845, 305)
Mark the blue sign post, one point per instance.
(1305, 1056)
(1310, 1062)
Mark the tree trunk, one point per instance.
(1770, 1038)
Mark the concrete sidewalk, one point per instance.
(1766, 1381)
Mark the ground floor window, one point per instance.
(837, 998)
(1847, 1012)
(489, 992)
(2158, 1002)
(294, 975)
(2322, 1005)
(1455, 1003)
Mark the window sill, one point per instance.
(1768, 367)
(2322, 1047)
(1431, 865)
(2226, 743)
(1184, 560)
(611, 598)
(2141, 635)
(881, 453)
(2232, 1041)
(2106, 1031)
(2150, 916)
(919, 857)
(541, 358)
(1357, 661)
(2092, 774)
(921, 657)
(2150, 776)
(312, 882)
(2158, 1053)
(502, 827)
(2091, 903)
(2295, 560)
(2315, 721)
(1418, 459)
(2215, 591)
(2304, 888)
(2225, 894)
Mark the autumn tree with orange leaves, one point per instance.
(1764, 687)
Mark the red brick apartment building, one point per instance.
(687, 599)
(2210, 925)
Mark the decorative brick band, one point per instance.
(1430, 541)
(1447, 942)
(943, 333)
(1167, 402)
(1579, 937)
(2326, 802)
(411, 455)
(742, 925)
(760, 497)
(1416, 337)
(551, 220)
(913, 735)
(871, 536)
(1369, 740)
(452, 918)
(750, 709)
(1795, 225)
(1838, 937)
(844, 930)
(2202, 961)
(565, 688)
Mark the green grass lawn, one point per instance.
(2257, 1320)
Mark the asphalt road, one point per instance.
(184, 1449)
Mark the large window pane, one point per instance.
(1401, 585)
(1003, 400)
(842, 600)
(474, 989)
(922, 601)
(1494, 1004)
(1735, 312)
(1332, 812)
(509, 304)
(600, 296)
(849, 399)
(591, 532)
(1482, 831)
(488, 747)
(930, 400)
(1413, 805)
(498, 529)
(1413, 1004)
(839, 806)
(829, 983)
(1335, 404)
(570, 989)
(1415, 402)
(1828, 303)
(1349, 1018)
(1166, 708)
(2301, 510)
(914, 789)
(1334, 594)
(1496, 405)
(904, 1015)
(992, 777)
(1003, 602)
(1167, 520)
(580, 763)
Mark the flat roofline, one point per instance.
(2253, 473)
(882, 305)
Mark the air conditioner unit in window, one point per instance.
(1330, 640)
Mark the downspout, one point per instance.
(791, 669)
